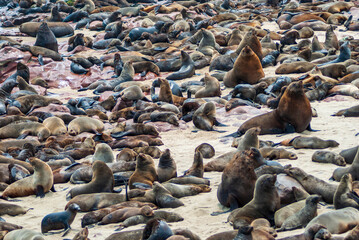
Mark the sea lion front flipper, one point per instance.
(41, 60)
(40, 191)
(119, 135)
(67, 230)
(23, 135)
(309, 128)
(218, 124)
(53, 188)
(353, 195)
(142, 185)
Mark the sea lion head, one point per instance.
(347, 178)
(294, 172)
(73, 207)
(43, 28)
(255, 154)
(147, 211)
(313, 199)
(295, 88)
(36, 163)
(143, 161)
(267, 181)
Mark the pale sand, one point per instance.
(182, 143)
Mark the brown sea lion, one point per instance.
(277, 153)
(163, 197)
(124, 213)
(165, 94)
(263, 205)
(206, 149)
(153, 151)
(23, 85)
(55, 125)
(251, 40)
(238, 179)
(353, 169)
(39, 183)
(85, 124)
(312, 143)
(166, 168)
(24, 234)
(11, 209)
(338, 221)
(212, 88)
(82, 235)
(340, 7)
(102, 181)
(60, 29)
(145, 172)
(348, 112)
(293, 108)
(29, 102)
(312, 184)
(247, 68)
(196, 169)
(204, 117)
(295, 67)
(342, 196)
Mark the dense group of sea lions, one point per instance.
(136, 67)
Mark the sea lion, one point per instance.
(196, 169)
(338, 221)
(46, 38)
(166, 168)
(163, 197)
(312, 184)
(60, 29)
(303, 216)
(295, 67)
(187, 68)
(166, 95)
(293, 108)
(29, 102)
(84, 124)
(212, 88)
(82, 235)
(263, 205)
(153, 151)
(312, 143)
(156, 229)
(238, 179)
(342, 196)
(145, 172)
(102, 181)
(277, 153)
(328, 157)
(24, 234)
(348, 112)
(204, 117)
(339, 172)
(56, 221)
(331, 40)
(124, 213)
(23, 85)
(11, 209)
(94, 201)
(247, 68)
(55, 125)
(251, 40)
(103, 152)
(349, 154)
(206, 149)
(39, 183)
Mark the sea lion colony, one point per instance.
(107, 154)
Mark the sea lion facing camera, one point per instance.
(46, 38)
(167, 168)
(145, 172)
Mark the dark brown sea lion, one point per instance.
(251, 40)
(263, 205)
(247, 68)
(145, 172)
(312, 143)
(349, 112)
(102, 181)
(277, 153)
(167, 168)
(293, 109)
(312, 184)
(39, 183)
(46, 38)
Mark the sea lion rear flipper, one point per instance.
(23, 135)
(40, 191)
(353, 195)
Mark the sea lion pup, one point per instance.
(56, 125)
(196, 169)
(331, 40)
(338, 221)
(263, 205)
(348, 112)
(82, 235)
(204, 117)
(145, 172)
(23, 85)
(126, 129)
(11, 209)
(342, 196)
(320, 92)
(235, 38)
(85, 124)
(339, 7)
(166, 168)
(328, 157)
(102, 181)
(312, 143)
(212, 88)
(55, 15)
(156, 229)
(60, 220)
(24, 234)
(132, 93)
(247, 68)
(293, 109)
(164, 198)
(206, 150)
(166, 95)
(38, 183)
(79, 40)
(277, 153)
(46, 38)
(29, 102)
(312, 184)
(187, 69)
(238, 179)
(121, 215)
(303, 216)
